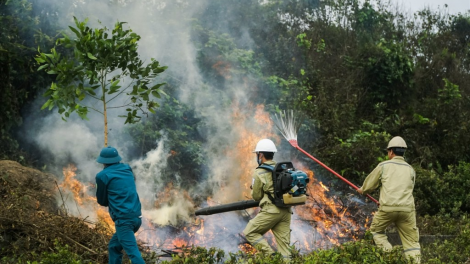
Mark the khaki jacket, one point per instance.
(398, 179)
(263, 184)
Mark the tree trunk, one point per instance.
(105, 113)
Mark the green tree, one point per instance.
(100, 62)
(24, 27)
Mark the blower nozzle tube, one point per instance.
(227, 207)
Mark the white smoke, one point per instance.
(147, 171)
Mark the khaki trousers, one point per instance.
(278, 223)
(406, 225)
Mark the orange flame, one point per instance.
(80, 194)
(324, 187)
(178, 242)
(73, 185)
(260, 127)
(169, 194)
(223, 68)
(332, 219)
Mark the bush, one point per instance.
(452, 243)
(445, 192)
(197, 255)
(362, 251)
(359, 154)
(61, 254)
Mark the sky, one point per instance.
(454, 6)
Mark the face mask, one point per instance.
(258, 159)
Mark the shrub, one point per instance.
(362, 251)
(445, 192)
(197, 255)
(359, 154)
(454, 243)
(61, 254)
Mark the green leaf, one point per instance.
(156, 94)
(40, 60)
(157, 86)
(90, 90)
(115, 83)
(91, 56)
(46, 104)
(43, 66)
(75, 31)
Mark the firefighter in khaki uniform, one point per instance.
(396, 200)
(270, 216)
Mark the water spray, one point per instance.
(288, 125)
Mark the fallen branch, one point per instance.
(71, 240)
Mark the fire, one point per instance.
(223, 68)
(73, 185)
(169, 195)
(247, 248)
(259, 126)
(179, 242)
(333, 219)
(83, 200)
(324, 187)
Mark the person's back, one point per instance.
(115, 188)
(123, 200)
(397, 179)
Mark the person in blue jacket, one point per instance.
(115, 188)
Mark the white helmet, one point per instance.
(397, 142)
(265, 145)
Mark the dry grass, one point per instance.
(30, 220)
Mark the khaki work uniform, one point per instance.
(270, 217)
(396, 204)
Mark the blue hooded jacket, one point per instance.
(116, 189)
